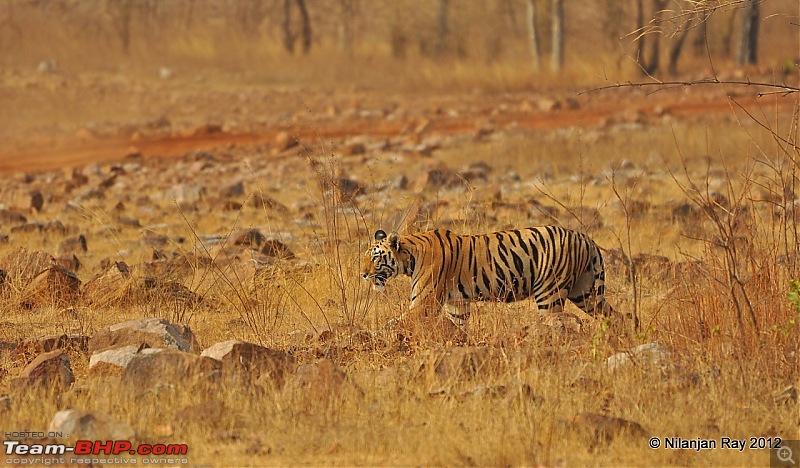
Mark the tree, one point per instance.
(288, 35)
(533, 34)
(557, 46)
(748, 38)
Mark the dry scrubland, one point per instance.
(228, 224)
(516, 397)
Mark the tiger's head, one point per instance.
(383, 260)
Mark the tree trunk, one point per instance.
(677, 48)
(640, 46)
(288, 36)
(533, 34)
(306, 19)
(348, 9)
(557, 57)
(444, 27)
(748, 39)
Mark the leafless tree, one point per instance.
(748, 35)
(557, 46)
(348, 10)
(444, 27)
(533, 34)
(289, 36)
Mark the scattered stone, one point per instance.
(11, 217)
(112, 286)
(155, 332)
(69, 262)
(441, 177)
(276, 248)
(152, 370)
(31, 347)
(22, 265)
(257, 363)
(50, 372)
(262, 200)
(72, 245)
(347, 189)
(248, 237)
(54, 286)
(283, 141)
(233, 190)
(114, 361)
(647, 356)
(85, 425)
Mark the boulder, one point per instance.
(114, 361)
(86, 425)
(32, 347)
(171, 368)
(50, 372)
(154, 332)
(54, 286)
(646, 356)
(259, 364)
(112, 286)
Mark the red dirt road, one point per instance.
(593, 109)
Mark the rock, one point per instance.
(348, 189)
(85, 425)
(114, 361)
(72, 245)
(155, 332)
(168, 294)
(603, 428)
(276, 248)
(262, 200)
(112, 286)
(283, 141)
(353, 148)
(11, 217)
(441, 177)
(172, 368)
(31, 347)
(257, 363)
(22, 265)
(233, 190)
(646, 356)
(49, 372)
(54, 286)
(28, 200)
(248, 237)
(185, 193)
(320, 380)
(69, 262)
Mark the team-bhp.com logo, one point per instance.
(88, 447)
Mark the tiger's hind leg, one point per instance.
(588, 294)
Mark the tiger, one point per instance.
(547, 263)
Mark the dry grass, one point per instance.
(724, 368)
(726, 319)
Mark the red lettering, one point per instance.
(105, 448)
(121, 446)
(83, 447)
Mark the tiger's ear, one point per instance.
(394, 241)
(380, 234)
